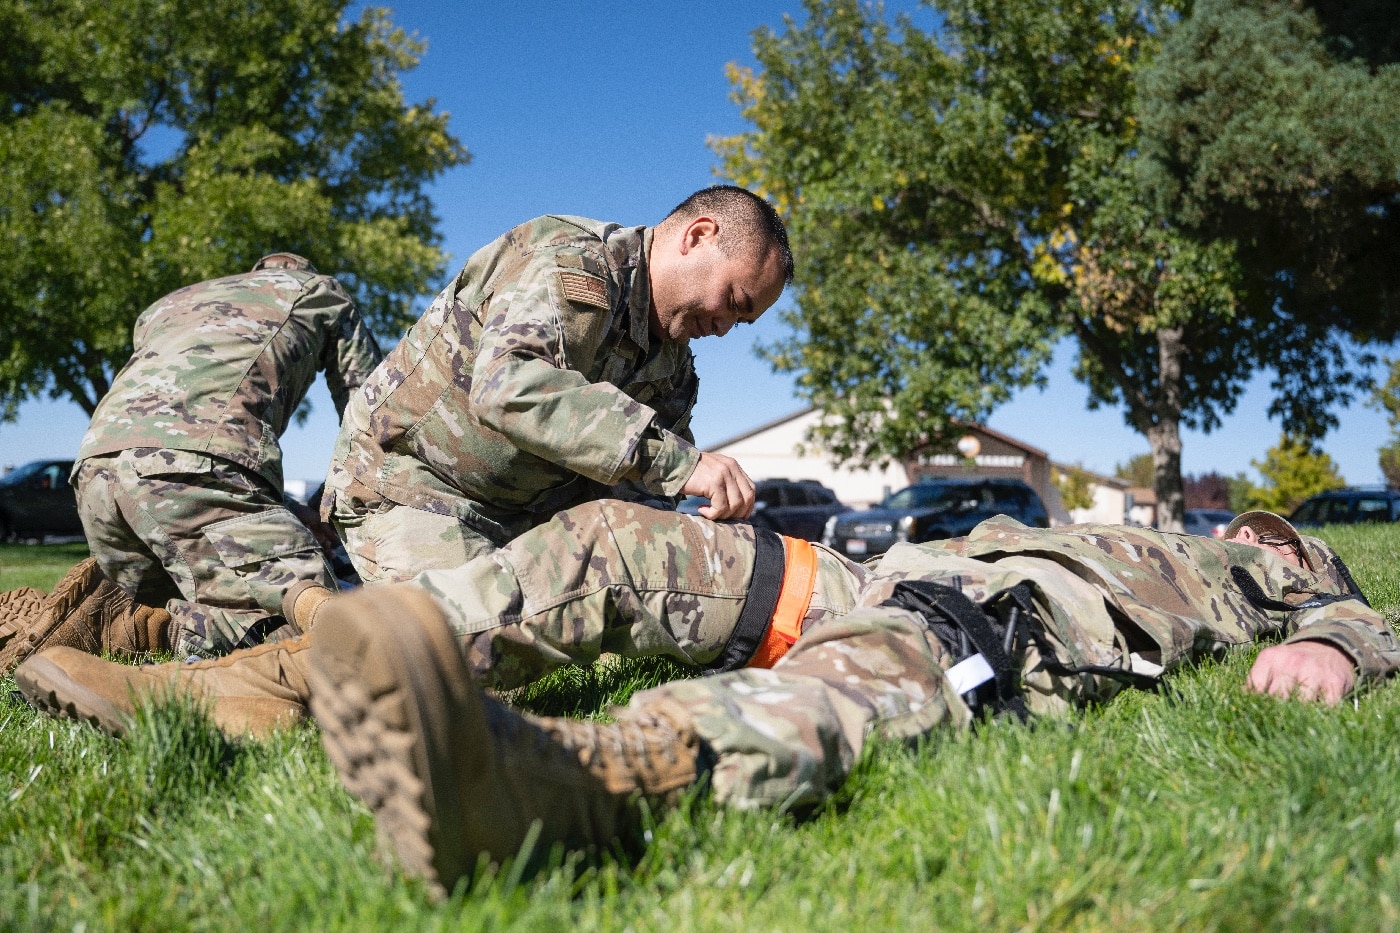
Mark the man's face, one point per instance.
(1287, 548)
(701, 292)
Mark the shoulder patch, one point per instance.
(583, 288)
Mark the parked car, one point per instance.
(1347, 507)
(1210, 523)
(796, 508)
(931, 510)
(36, 500)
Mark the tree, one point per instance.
(1138, 471)
(147, 144)
(1207, 491)
(961, 199)
(1387, 398)
(1293, 469)
(1075, 487)
(1273, 125)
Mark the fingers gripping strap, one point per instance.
(799, 576)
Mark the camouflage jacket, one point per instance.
(531, 384)
(1175, 596)
(220, 366)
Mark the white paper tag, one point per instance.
(969, 674)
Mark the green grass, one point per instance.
(39, 565)
(1198, 807)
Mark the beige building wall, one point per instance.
(775, 451)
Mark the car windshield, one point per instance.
(924, 497)
(19, 475)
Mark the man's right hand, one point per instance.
(725, 483)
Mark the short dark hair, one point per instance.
(748, 221)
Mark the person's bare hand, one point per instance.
(1305, 670)
(725, 483)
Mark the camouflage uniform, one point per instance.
(618, 577)
(532, 383)
(1109, 599)
(179, 476)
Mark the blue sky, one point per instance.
(604, 110)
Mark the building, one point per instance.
(779, 449)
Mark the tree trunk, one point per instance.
(1164, 435)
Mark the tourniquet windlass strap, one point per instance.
(1345, 574)
(765, 586)
(1255, 593)
(799, 577)
(967, 630)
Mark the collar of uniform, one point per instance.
(639, 289)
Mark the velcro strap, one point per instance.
(759, 605)
(799, 576)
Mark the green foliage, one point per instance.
(1387, 398)
(1293, 469)
(1138, 471)
(1075, 486)
(148, 144)
(1272, 125)
(960, 201)
(1241, 490)
(1196, 807)
(1389, 456)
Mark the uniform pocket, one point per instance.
(171, 463)
(258, 538)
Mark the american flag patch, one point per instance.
(584, 289)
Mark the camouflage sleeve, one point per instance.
(527, 385)
(1357, 630)
(350, 353)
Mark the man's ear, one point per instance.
(698, 231)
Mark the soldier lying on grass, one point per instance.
(815, 653)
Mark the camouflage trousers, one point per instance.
(391, 543)
(617, 577)
(790, 735)
(200, 535)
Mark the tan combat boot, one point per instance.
(18, 610)
(450, 772)
(302, 603)
(250, 692)
(88, 612)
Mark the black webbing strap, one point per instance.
(1255, 594)
(764, 587)
(1345, 574)
(959, 623)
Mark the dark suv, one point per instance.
(796, 508)
(930, 510)
(36, 500)
(1348, 506)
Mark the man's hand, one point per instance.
(1307, 670)
(728, 487)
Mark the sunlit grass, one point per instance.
(1196, 807)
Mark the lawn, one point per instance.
(1195, 807)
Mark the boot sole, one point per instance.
(388, 693)
(50, 687)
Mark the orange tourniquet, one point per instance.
(799, 575)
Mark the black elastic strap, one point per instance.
(1255, 594)
(1345, 574)
(764, 586)
(940, 606)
